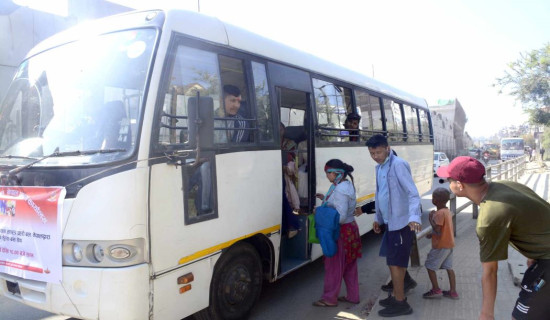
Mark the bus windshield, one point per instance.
(512, 144)
(81, 96)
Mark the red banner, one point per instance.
(30, 232)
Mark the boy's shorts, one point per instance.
(439, 259)
(533, 304)
(398, 247)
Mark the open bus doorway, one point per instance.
(295, 145)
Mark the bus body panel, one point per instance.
(89, 293)
(240, 214)
(167, 296)
(116, 204)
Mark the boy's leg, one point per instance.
(433, 279)
(452, 280)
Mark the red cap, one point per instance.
(463, 169)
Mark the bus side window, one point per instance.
(233, 121)
(263, 106)
(333, 104)
(424, 125)
(193, 71)
(394, 120)
(411, 118)
(371, 114)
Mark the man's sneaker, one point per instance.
(409, 284)
(387, 302)
(398, 308)
(452, 295)
(433, 294)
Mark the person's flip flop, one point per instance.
(344, 299)
(323, 303)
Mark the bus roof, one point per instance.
(215, 31)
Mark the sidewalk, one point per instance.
(467, 268)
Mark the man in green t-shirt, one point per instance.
(510, 213)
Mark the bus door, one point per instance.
(293, 100)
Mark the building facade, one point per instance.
(448, 121)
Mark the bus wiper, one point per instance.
(56, 153)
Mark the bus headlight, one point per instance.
(116, 253)
(97, 252)
(77, 252)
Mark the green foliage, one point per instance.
(539, 116)
(528, 80)
(528, 139)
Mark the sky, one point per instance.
(430, 48)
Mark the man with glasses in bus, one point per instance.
(398, 213)
(232, 120)
(510, 213)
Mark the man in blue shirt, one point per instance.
(398, 212)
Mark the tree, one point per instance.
(528, 80)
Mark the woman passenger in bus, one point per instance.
(343, 265)
(291, 200)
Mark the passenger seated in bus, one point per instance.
(232, 119)
(352, 124)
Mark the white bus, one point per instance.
(119, 199)
(511, 148)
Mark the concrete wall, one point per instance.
(22, 28)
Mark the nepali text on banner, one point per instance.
(30, 232)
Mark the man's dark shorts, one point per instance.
(533, 304)
(398, 247)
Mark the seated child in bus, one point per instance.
(441, 254)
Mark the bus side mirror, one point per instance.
(201, 122)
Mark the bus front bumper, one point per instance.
(86, 293)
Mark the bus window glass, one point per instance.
(371, 116)
(83, 96)
(263, 107)
(233, 121)
(413, 132)
(194, 72)
(394, 122)
(424, 125)
(333, 104)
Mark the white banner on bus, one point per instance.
(30, 232)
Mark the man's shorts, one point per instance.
(398, 247)
(533, 303)
(439, 259)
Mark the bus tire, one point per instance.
(236, 284)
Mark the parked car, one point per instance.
(440, 159)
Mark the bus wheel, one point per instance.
(236, 284)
